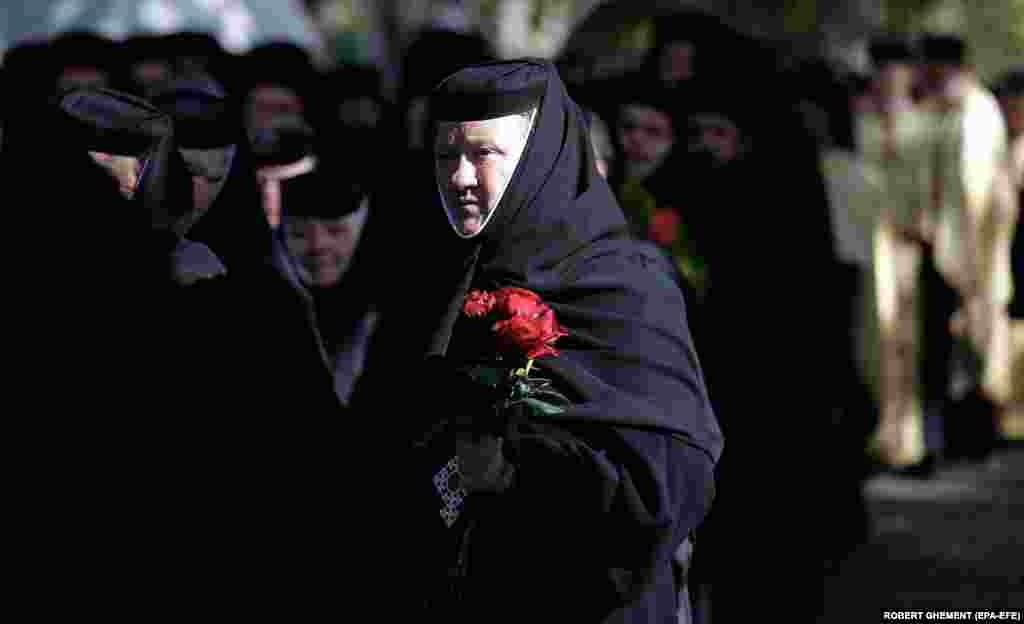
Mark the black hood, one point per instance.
(109, 121)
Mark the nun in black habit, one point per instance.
(184, 476)
(321, 250)
(581, 520)
(226, 212)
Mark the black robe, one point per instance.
(173, 472)
(606, 491)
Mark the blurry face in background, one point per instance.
(677, 62)
(208, 168)
(125, 169)
(266, 102)
(474, 162)
(151, 74)
(82, 76)
(647, 136)
(895, 80)
(1013, 110)
(940, 79)
(323, 248)
(716, 137)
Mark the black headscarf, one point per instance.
(559, 232)
(210, 135)
(207, 130)
(336, 188)
(109, 121)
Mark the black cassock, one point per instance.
(184, 443)
(604, 492)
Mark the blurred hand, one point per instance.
(482, 462)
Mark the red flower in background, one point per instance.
(478, 303)
(664, 226)
(524, 326)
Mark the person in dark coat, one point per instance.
(179, 474)
(321, 250)
(574, 517)
(771, 334)
(222, 216)
(227, 213)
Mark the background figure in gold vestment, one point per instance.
(892, 134)
(1007, 383)
(966, 280)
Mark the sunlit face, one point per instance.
(646, 136)
(267, 102)
(716, 135)
(474, 162)
(323, 248)
(127, 170)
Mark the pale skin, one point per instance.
(125, 169)
(324, 247)
(475, 161)
(128, 169)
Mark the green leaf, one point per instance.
(542, 407)
(486, 375)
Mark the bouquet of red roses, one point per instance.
(524, 329)
(499, 384)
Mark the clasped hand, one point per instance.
(482, 462)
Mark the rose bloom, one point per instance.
(478, 303)
(664, 226)
(530, 337)
(513, 301)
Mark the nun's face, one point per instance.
(474, 162)
(677, 62)
(647, 136)
(323, 248)
(717, 137)
(266, 102)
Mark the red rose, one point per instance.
(513, 301)
(532, 337)
(664, 226)
(478, 303)
(525, 326)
